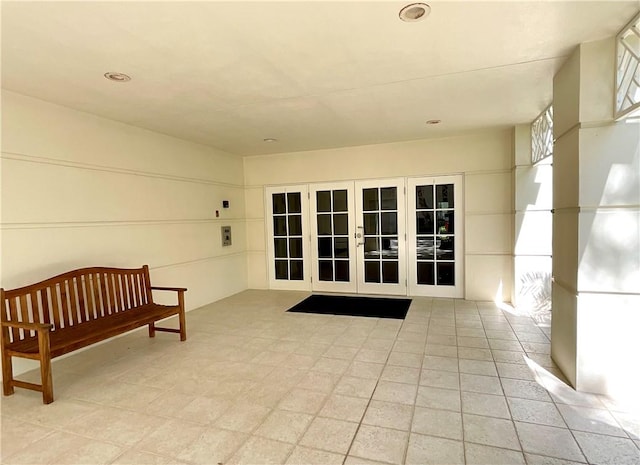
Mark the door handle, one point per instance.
(359, 235)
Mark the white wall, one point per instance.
(484, 158)
(79, 190)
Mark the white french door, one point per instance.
(380, 236)
(385, 236)
(434, 239)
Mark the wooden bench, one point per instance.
(76, 309)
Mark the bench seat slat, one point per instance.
(74, 337)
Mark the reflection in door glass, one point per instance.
(287, 231)
(333, 225)
(380, 235)
(435, 235)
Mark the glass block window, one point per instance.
(628, 70)
(542, 135)
(287, 236)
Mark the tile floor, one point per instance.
(456, 382)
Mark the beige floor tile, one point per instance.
(388, 391)
(440, 350)
(372, 355)
(169, 438)
(475, 342)
(481, 384)
(284, 426)
(515, 371)
(509, 356)
(549, 441)
(330, 435)
(91, 453)
(524, 389)
(355, 387)
(242, 417)
(213, 446)
(440, 379)
(478, 367)
(261, 451)
(331, 365)
(135, 457)
(409, 346)
(303, 400)
(305, 456)
(204, 410)
(388, 415)
(17, 435)
(318, 381)
(488, 431)
(400, 374)
(533, 459)
(427, 450)
(115, 425)
(535, 411)
(404, 359)
(367, 370)
(441, 423)
(376, 443)
(344, 408)
(485, 404)
(472, 353)
(608, 450)
(591, 420)
(432, 397)
(341, 352)
(435, 362)
(477, 454)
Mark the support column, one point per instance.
(596, 228)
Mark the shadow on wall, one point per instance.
(535, 295)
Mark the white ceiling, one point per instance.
(311, 74)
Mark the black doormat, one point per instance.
(376, 307)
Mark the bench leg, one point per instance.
(45, 367)
(183, 319)
(152, 330)
(7, 374)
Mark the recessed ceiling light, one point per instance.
(434, 121)
(117, 77)
(270, 139)
(415, 12)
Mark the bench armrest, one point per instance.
(161, 288)
(28, 326)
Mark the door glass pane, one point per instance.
(390, 247)
(341, 224)
(444, 196)
(279, 205)
(372, 271)
(389, 223)
(390, 272)
(279, 225)
(370, 199)
(323, 201)
(424, 197)
(324, 247)
(295, 225)
(445, 222)
(293, 199)
(340, 201)
(426, 273)
(425, 248)
(424, 222)
(342, 270)
(324, 225)
(370, 223)
(295, 248)
(280, 248)
(446, 250)
(341, 247)
(371, 247)
(282, 268)
(446, 274)
(325, 270)
(388, 198)
(295, 270)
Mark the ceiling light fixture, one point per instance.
(270, 139)
(117, 77)
(414, 12)
(434, 121)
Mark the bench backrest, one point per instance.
(76, 297)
